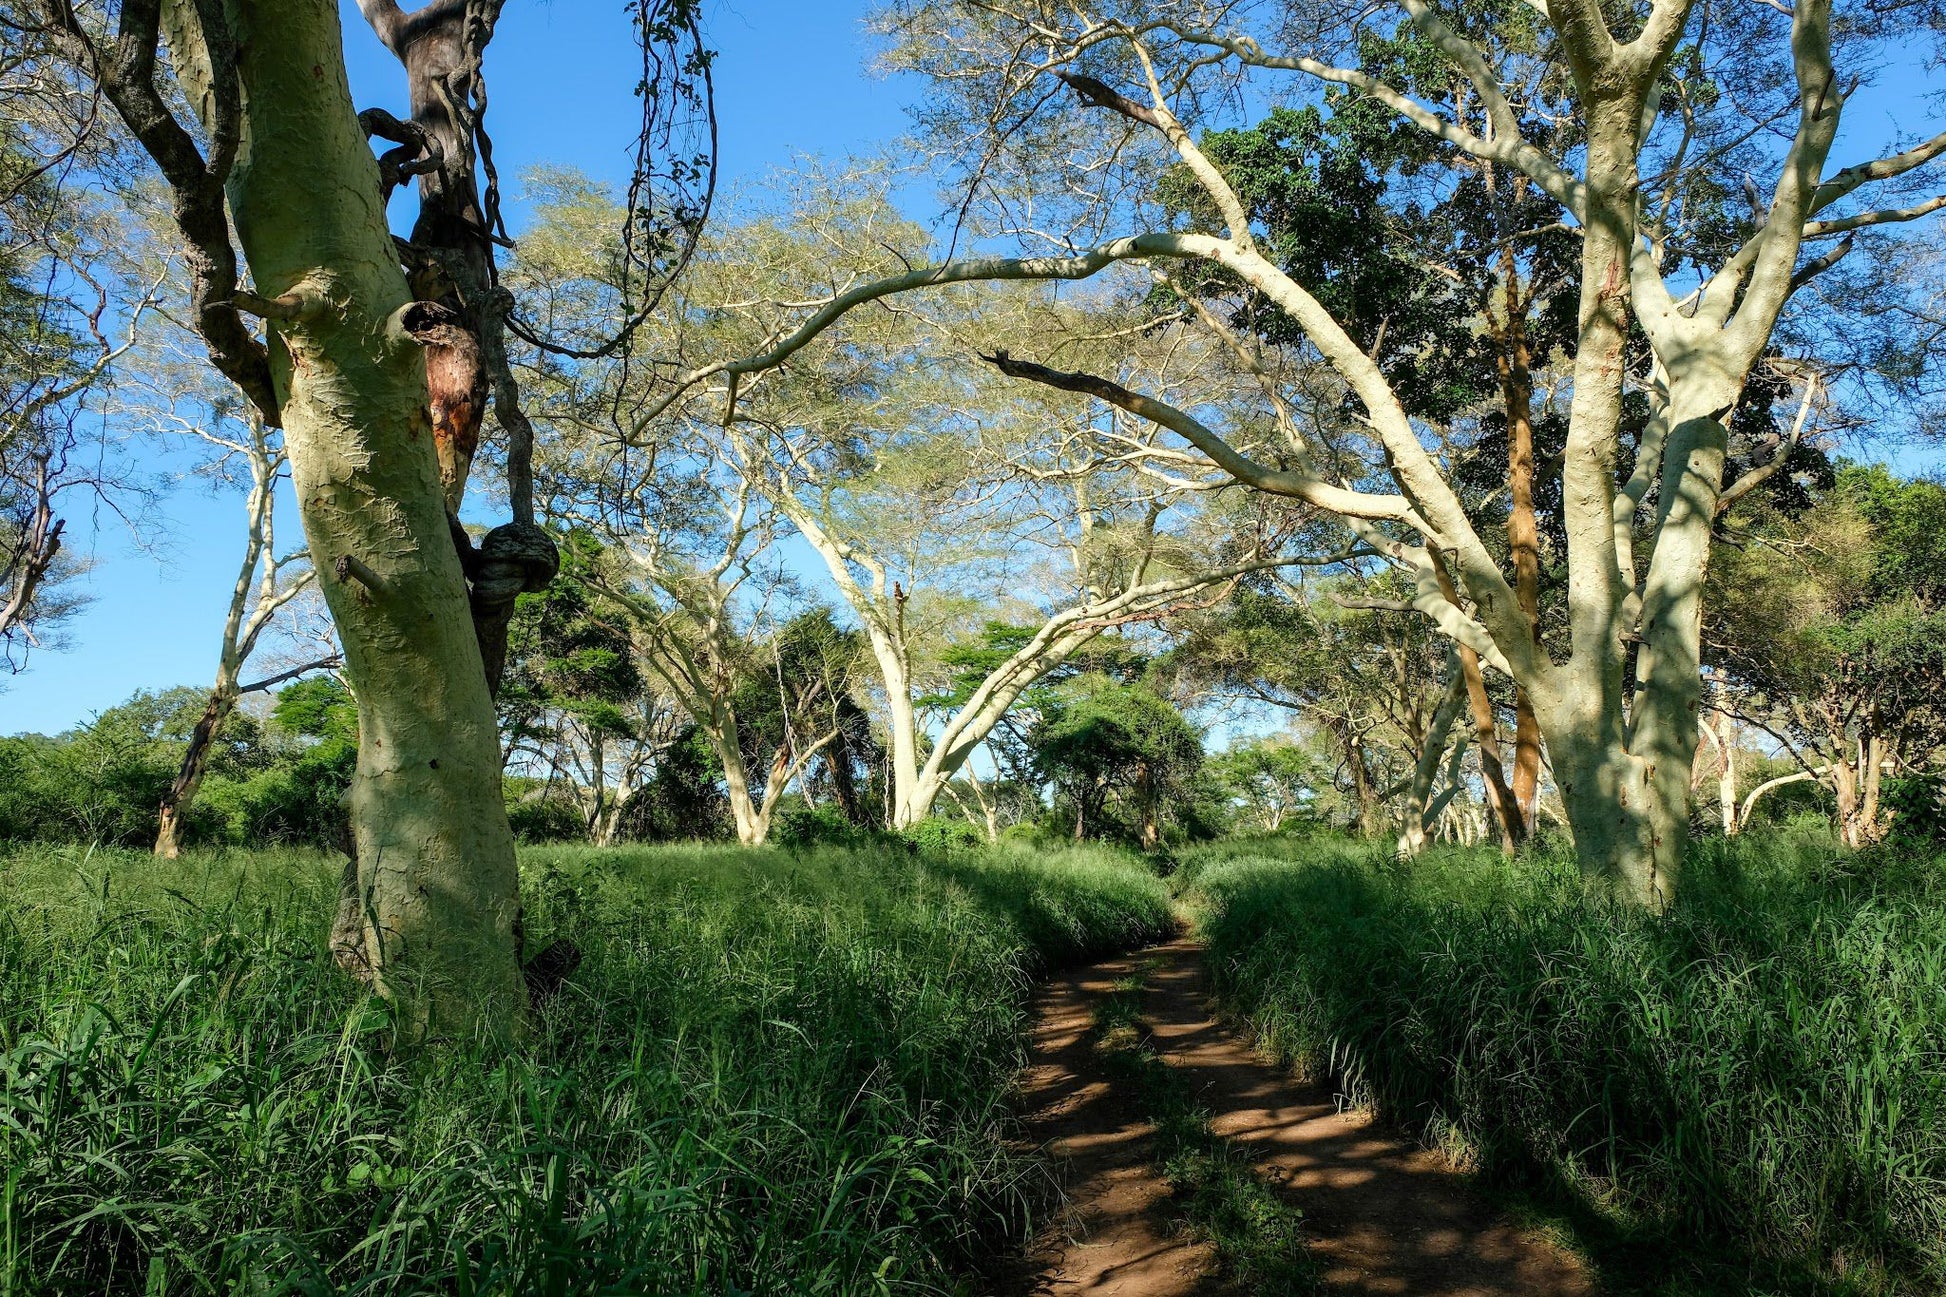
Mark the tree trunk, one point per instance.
(1719, 730)
(437, 889)
(450, 261)
(37, 545)
(1659, 749)
(189, 775)
(1149, 834)
(1500, 796)
(1856, 772)
(1371, 816)
(912, 795)
(1621, 817)
(752, 821)
(609, 823)
(1422, 809)
(1725, 774)
(1515, 364)
(1726, 788)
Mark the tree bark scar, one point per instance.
(457, 387)
(1613, 281)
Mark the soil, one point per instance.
(1382, 1215)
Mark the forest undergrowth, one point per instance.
(775, 1072)
(1743, 1095)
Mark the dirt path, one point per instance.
(1381, 1215)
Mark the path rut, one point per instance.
(1381, 1215)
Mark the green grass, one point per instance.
(1258, 1237)
(1747, 1095)
(774, 1073)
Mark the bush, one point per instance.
(683, 800)
(802, 827)
(103, 782)
(774, 1073)
(1755, 1074)
(537, 817)
(937, 833)
(1917, 805)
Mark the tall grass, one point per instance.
(1760, 1075)
(774, 1073)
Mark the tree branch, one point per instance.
(1302, 486)
(1888, 216)
(271, 682)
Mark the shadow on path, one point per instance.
(1381, 1215)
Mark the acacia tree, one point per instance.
(1618, 705)
(1383, 690)
(1831, 629)
(933, 494)
(697, 593)
(1113, 743)
(1271, 776)
(925, 491)
(265, 582)
(575, 702)
(687, 536)
(279, 153)
(1456, 283)
(71, 307)
(880, 581)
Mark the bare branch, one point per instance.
(1889, 216)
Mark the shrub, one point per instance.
(1917, 804)
(545, 819)
(938, 833)
(801, 827)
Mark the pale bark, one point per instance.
(752, 813)
(920, 773)
(1621, 756)
(1855, 783)
(989, 820)
(1424, 801)
(688, 639)
(1772, 785)
(1722, 742)
(436, 890)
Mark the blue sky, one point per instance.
(791, 78)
